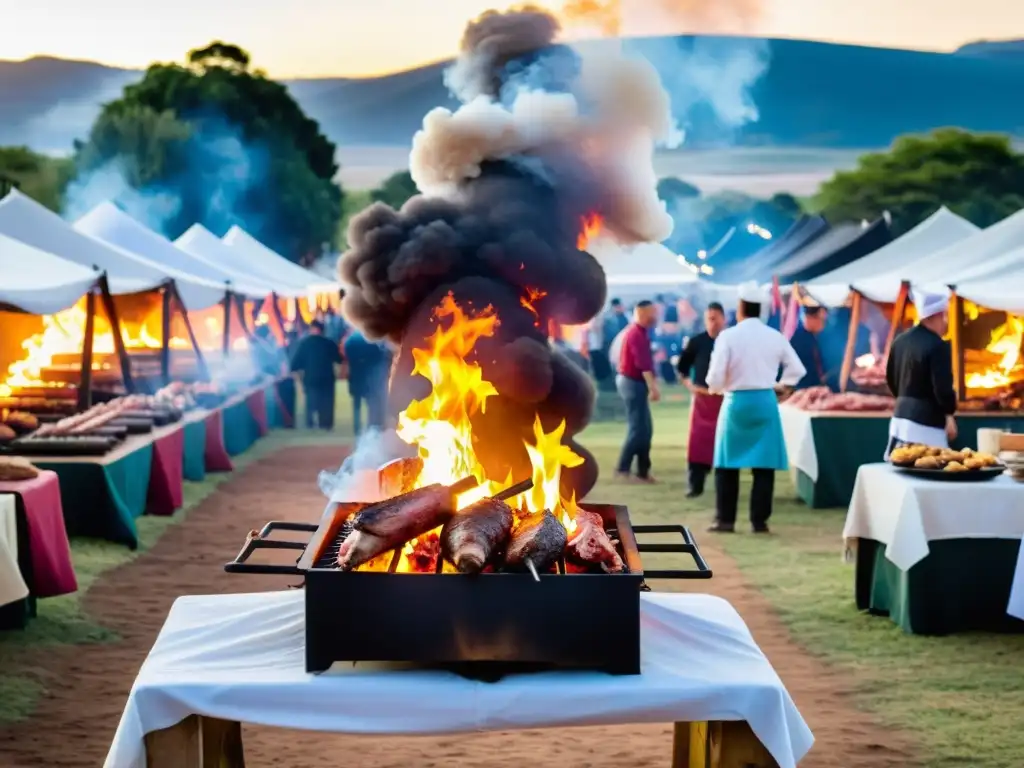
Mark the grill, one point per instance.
(483, 625)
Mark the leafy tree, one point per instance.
(395, 190)
(977, 176)
(41, 177)
(786, 204)
(230, 144)
(672, 189)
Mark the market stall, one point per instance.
(937, 557)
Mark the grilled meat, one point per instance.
(591, 544)
(475, 534)
(540, 539)
(389, 524)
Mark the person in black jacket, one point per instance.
(919, 373)
(316, 358)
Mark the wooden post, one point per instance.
(899, 312)
(115, 327)
(720, 744)
(225, 345)
(196, 742)
(851, 343)
(240, 312)
(165, 332)
(204, 372)
(85, 373)
(956, 339)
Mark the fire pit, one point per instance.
(483, 625)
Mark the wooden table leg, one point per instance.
(196, 742)
(720, 744)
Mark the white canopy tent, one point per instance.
(23, 219)
(38, 282)
(203, 244)
(271, 264)
(1005, 295)
(939, 231)
(109, 223)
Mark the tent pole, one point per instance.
(279, 317)
(851, 343)
(240, 311)
(85, 372)
(204, 372)
(899, 313)
(956, 340)
(165, 330)
(115, 326)
(225, 344)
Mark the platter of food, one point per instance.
(945, 464)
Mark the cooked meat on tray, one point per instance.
(591, 544)
(540, 538)
(472, 538)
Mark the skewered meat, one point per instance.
(389, 524)
(540, 538)
(21, 422)
(475, 534)
(820, 399)
(6, 434)
(590, 542)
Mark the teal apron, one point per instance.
(749, 433)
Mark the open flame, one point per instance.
(1005, 344)
(440, 426)
(590, 228)
(529, 302)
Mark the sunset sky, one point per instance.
(291, 38)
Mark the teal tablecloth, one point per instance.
(102, 499)
(844, 443)
(193, 460)
(963, 585)
(275, 419)
(240, 428)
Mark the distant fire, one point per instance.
(1002, 365)
(529, 301)
(590, 228)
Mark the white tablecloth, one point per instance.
(905, 513)
(12, 585)
(799, 436)
(241, 658)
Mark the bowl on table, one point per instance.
(1014, 461)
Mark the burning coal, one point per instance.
(548, 150)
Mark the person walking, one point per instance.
(919, 373)
(638, 388)
(369, 365)
(744, 368)
(316, 358)
(693, 367)
(805, 341)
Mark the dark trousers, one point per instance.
(375, 410)
(320, 406)
(639, 426)
(727, 496)
(696, 476)
(600, 367)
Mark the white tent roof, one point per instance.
(1005, 294)
(940, 230)
(270, 263)
(203, 244)
(38, 282)
(22, 218)
(642, 264)
(109, 223)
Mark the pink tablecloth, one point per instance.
(166, 478)
(257, 402)
(216, 455)
(39, 499)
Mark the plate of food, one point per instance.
(945, 464)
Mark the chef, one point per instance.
(919, 373)
(745, 369)
(693, 368)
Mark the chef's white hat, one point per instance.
(752, 293)
(930, 304)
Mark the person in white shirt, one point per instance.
(745, 369)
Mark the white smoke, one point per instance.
(357, 478)
(153, 207)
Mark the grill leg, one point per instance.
(727, 744)
(196, 742)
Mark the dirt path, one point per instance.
(89, 685)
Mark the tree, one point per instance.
(229, 144)
(40, 177)
(672, 189)
(977, 176)
(395, 190)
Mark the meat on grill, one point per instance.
(391, 523)
(540, 539)
(472, 538)
(591, 544)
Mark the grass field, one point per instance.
(961, 698)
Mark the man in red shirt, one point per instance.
(638, 387)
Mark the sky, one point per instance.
(310, 38)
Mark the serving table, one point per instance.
(937, 557)
(223, 660)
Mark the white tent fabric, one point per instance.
(22, 218)
(1006, 295)
(270, 263)
(642, 264)
(203, 244)
(109, 223)
(38, 282)
(939, 231)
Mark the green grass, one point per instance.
(961, 698)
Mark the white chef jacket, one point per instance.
(747, 356)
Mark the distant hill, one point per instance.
(995, 49)
(811, 95)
